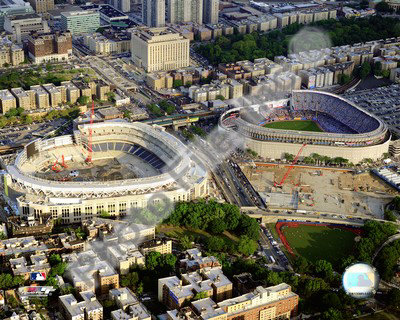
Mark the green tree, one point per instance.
(331, 300)
(83, 100)
(246, 245)
(217, 226)
(220, 97)
(200, 295)
(383, 6)
(2, 235)
(215, 244)
(365, 70)
(394, 298)
(185, 242)
(153, 260)
(177, 83)
(324, 269)
(390, 216)
(55, 259)
(301, 264)
(332, 314)
(130, 280)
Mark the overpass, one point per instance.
(388, 241)
(180, 120)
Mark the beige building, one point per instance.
(159, 49)
(173, 293)
(7, 101)
(42, 6)
(185, 11)
(42, 97)
(103, 45)
(162, 246)
(11, 55)
(159, 80)
(102, 89)
(72, 93)
(153, 13)
(25, 99)
(89, 308)
(55, 94)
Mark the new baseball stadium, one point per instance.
(130, 165)
(309, 122)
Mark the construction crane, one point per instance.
(89, 157)
(55, 167)
(280, 184)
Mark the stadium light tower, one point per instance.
(89, 157)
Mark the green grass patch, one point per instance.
(300, 125)
(178, 232)
(319, 242)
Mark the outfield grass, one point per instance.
(177, 232)
(300, 125)
(320, 242)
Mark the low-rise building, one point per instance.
(173, 292)
(108, 43)
(20, 266)
(162, 246)
(89, 308)
(194, 260)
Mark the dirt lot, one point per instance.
(330, 191)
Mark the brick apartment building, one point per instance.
(44, 47)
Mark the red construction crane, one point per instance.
(280, 184)
(89, 157)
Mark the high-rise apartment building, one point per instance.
(11, 54)
(185, 11)
(50, 46)
(121, 5)
(210, 11)
(42, 6)
(153, 13)
(159, 49)
(78, 22)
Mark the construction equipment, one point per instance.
(280, 184)
(90, 151)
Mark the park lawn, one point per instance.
(177, 232)
(299, 125)
(319, 242)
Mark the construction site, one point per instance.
(320, 190)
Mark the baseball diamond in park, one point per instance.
(325, 123)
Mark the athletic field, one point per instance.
(320, 242)
(300, 125)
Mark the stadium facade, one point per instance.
(349, 131)
(175, 175)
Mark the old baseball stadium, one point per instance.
(130, 165)
(309, 122)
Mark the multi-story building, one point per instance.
(25, 99)
(89, 308)
(108, 43)
(42, 97)
(121, 5)
(21, 246)
(20, 266)
(153, 13)
(210, 11)
(277, 302)
(185, 11)
(71, 91)
(159, 49)
(124, 256)
(15, 9)
(88, 272)
(7, 101)
(44, 47)
(11, 54)
(21, 26)
(195, 261)
(162, 246)
(78, 22)
(173, 292)
(102, 89)
(55, 94)
(129, 306)
(42, 6)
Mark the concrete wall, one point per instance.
(276, 150)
